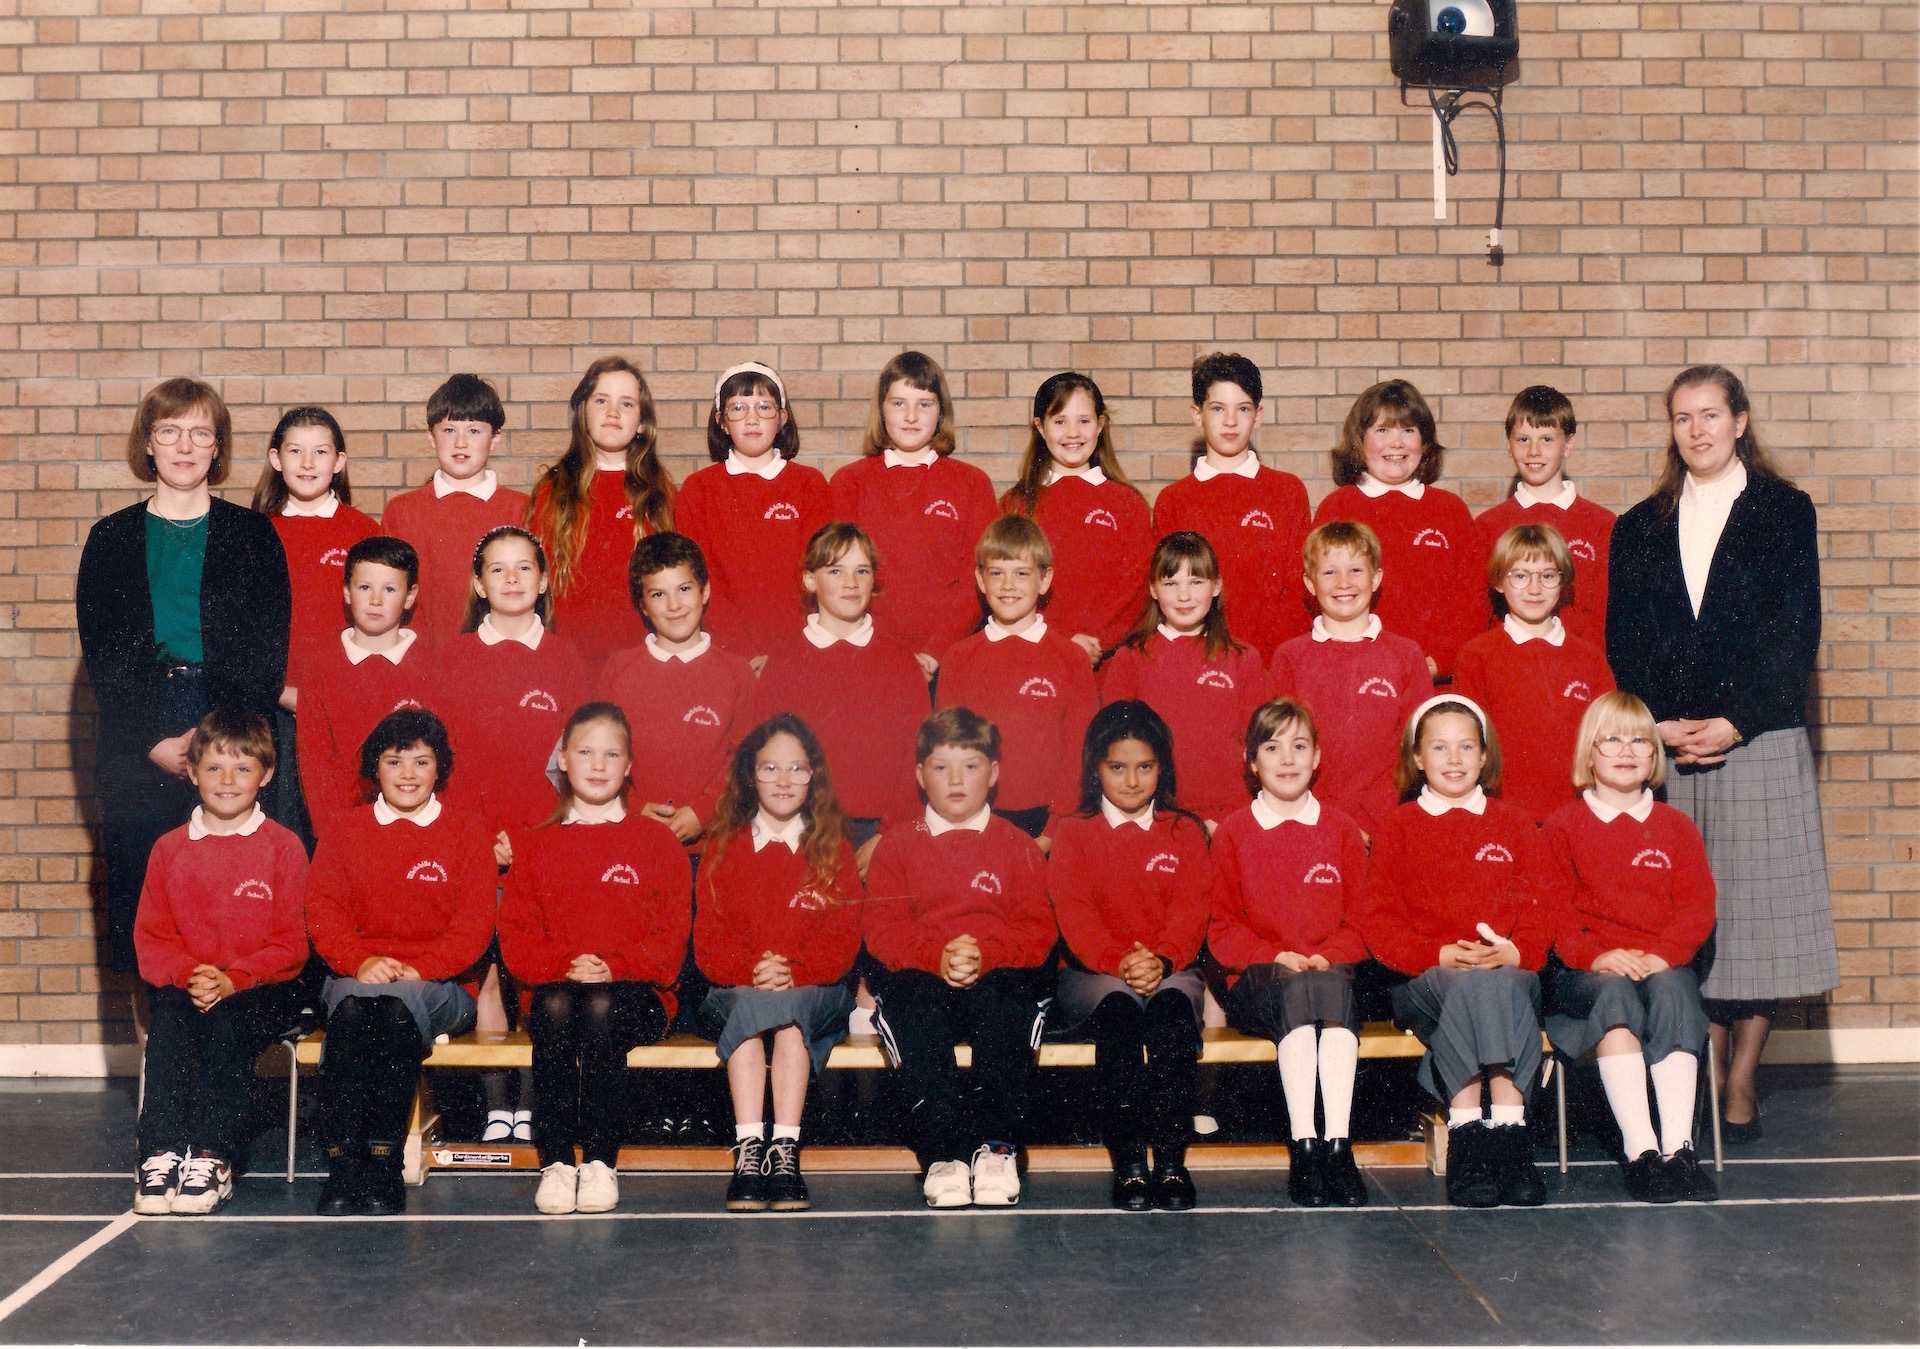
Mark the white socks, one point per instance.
(786, 1131)
(1508, 1114)
(1625, 1078)
(1339, 1060)
(742, 1132)
(1459, 1116)
(1676, 1080)
(1299, 1064)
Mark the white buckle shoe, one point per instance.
(559, 1189)
(948, 1185)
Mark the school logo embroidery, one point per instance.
(1430, 538)
(1321, 873)
(624, 513)
(539, 700)
(427, 871)
(1215, 679)
(404, 702)
(1039, 687)
(1583, 550)
(1165, 863)
(619, 874)
(1652, 857)
(1493, 852)
(334, 557)
(811, 900)
(255, 889)
(1376, 687)
(1256, 519)
(986, 882)
(943, 508)
(1578, 690)
(701, 715)
(1100, 517)
(782, 510)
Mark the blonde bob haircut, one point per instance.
(1014, 538)
(1616, 712)
(1407, 775)
(1529, 543)
(1348, 534)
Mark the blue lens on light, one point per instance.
(1451, 20)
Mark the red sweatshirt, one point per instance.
(1644, 887)
(340, 704)
(1587, 527)
(1102, 539)
(1256, 525)
(923, 891)
(596, 612)
(1431, 880)
(1295, 887)
(1534, 693)
(505, 707)
(1435, 589)
(445, 531)
(1114, 885)
(317, 570)
(620, 891)
(233, 901)
(925, 522)
(754, 902)
(1361, 694)
(865, 704)
(1041, 695)
(1206, 704)
(422, 895)
(687, 719)
(754, 534)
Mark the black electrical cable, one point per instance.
(1446, 107)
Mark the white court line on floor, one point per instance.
(59, 1269)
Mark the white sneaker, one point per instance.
(206, 1183)
(559, 1189)
(948, 1185)
(599, 1188)
(156, 1183)
(996, 1177)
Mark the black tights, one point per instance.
(371, 1070)
(581, 1034)
(1150, 1101)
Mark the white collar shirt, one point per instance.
(687, 657)
(1436, 805)
(395, 653)
(1246, 466)
(492, 636)
(1270, 811)
(482, 484)
(817, 635)
(197, 824)
(938, 824)
(1704, 508)
(423, 817)
(1320, 633)
(320, 508)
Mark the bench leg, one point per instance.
(1433, 1125)
(421, 1127)
(1560, 1102)
(293, 1099)
(1713, 1102)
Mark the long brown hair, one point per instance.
(922, 372)
(1188, 549)
(740, 798)
(270, 494)
(1048, 399)
(477, 606)
(561, 499)
(1747, 447)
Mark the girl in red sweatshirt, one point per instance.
(594, 922)
(1534, 677)
(1455, 903)
(608, 489)
(751, 511)
(919, 502)
(778, 927)
(1101, 528)
(1385, 466)
(1639, 904)
(1288, 873)
(1184, 664)
(1128, 881)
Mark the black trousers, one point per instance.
(1150, 1100)
(581, 1034)
(200, 1065)
(922, 1019)
(370, 1070)
(129, 827)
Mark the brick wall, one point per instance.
(343, 204)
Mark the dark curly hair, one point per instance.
(404, 728)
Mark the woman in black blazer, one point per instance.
(183, 606)
(1713, 618)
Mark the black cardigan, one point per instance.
(1749, 654)
(246, 606)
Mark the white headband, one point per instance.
(1461, 699)
(748, 368)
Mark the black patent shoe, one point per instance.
(1517, 1178)
(786, 1187)
(1306, 1168)
(1649, 1180)
(747, 1191)
(1132, 1188)
(1750, 1132)
(1690, 1179)
(1471, 1178)
(1173, 1189)
(1340, 1176)
(340, 1193)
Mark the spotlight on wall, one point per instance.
(1454, 48)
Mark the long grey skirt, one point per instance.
(1470, 1019)
(1759, 815)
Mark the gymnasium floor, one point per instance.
(1816, 1239)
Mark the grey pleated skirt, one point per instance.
(732, 1016)
(1759, 814)
(1469, 1020)
(1078, 992)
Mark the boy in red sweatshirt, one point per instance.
(1359, 680)
(221, 937)
(445, 519)
(1255, 517)
(1028, 680)
(372, 667)
(957, 915)
(1540, 431)
(400, 907)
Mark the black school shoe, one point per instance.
(1132, 1188)
(383, 1192)
(1340, 1177)
(1306, 1167)
(1517, 1178)
(1648, 1179)
(747, 1192)
(1689, 1179)
(786, 1188)
(340, 1194)
(1173, 1190)
(1472, 1177)
(1750, 1132)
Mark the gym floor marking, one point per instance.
(59, 1269)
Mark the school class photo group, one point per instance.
(739, 753)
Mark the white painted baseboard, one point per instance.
(1876, 1045)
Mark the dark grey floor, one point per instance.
(1798, 1251)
